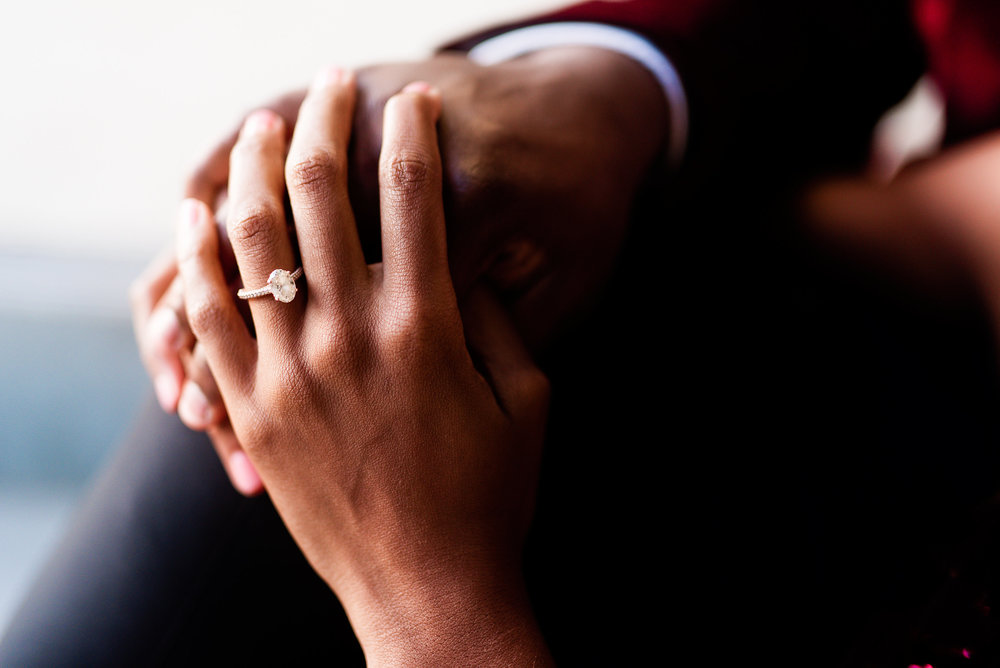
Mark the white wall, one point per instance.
(107, 104)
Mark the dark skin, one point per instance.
(405, 474)
(934, 224)
(542, 159)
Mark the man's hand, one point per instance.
(542, 155)
(406, 475)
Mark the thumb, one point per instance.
(501, 356)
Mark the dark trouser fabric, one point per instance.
(165, 564)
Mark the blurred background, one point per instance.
(107, 106)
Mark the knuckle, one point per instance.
(316, 170)
(408, 331)
(284, 391)
(341, 350)
(204, 316)
(538, 387)
(254, 225)
(259, 432)
(409, 171)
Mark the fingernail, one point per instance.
(191, 211)
(167, 391)
(328, 77)
(165, 327)
(244, 475)
(420, 87)
(193, 407)
(260, 121)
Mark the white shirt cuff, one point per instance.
(534, 38)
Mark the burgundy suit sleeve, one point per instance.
(796, 85)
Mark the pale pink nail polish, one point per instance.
(191, 211)
(419, 87)
(193, 406)
(167, 391)
(262, 120)
(245, 477)
(328, 77)
(165, 327)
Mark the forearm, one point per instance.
(936, 221)
(883, 225)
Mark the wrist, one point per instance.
(629, 97)
(441, 616)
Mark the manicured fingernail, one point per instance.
(328, 77)
(167, 391)
(165, 327)
(244, 475)
(191, 211)
(420, 87)
(260, 121)
(193, 407)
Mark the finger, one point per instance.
(414, 251)
(147, 289)
(241, 471)
(166, 338)
(200, 404)
(157, 330)
(519, 385)
(210, 177)
(316, 174)
(208, 182)
(212, 314)
(256, 222)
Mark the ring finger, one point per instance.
(256, 224)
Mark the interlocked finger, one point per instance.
(257, 228)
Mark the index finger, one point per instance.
(212, 175)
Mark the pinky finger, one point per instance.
(241, 471)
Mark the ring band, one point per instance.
(280, 283)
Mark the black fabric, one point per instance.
(165, 564)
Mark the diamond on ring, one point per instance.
(280, 284)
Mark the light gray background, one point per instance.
(106, 106)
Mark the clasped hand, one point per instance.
(543, 155)
(404, 468)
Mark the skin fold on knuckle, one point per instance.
(315, 172)
(205, 315)
(255, 226)
(411, 176)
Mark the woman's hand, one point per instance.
(544, 155)
(403, 465)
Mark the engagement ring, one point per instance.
(280, 283)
